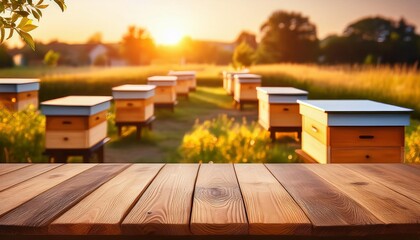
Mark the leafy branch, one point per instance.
(18, 16)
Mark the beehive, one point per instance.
(186, 81)
(228, 80)
(278, 106)
(165, 92)
(17, 94)
(133, 103)
(246, 87)
(353, 131)
(75, 122)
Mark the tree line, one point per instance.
(292, 37)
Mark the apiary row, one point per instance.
(331, 131)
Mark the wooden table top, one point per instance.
(209, 199)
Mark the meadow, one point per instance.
(398, 85)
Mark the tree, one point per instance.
(96, 38)
(137, 46)
(6, 61)
(373, 40)
(18, 15)
(243, 56)
(248, 38)
(288, 37)
(51, 58)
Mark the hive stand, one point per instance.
(239, 104)
(138, 125)
(274, 130)
(61, 155)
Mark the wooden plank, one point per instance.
(415, 165)
(271, 210)
(10, 167)
(397, 177)
(33, 216)
(102, 211)
(400, 213)
(21, 193)
(218, 208)
(330, 211)
(165, 207)
(12, 178)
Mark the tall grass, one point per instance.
(399, 85)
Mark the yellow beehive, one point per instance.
(133, 103)
(18, 94)
(165, 92)
(186, 81)
(246, 87)
(278, 106)
(75, 122)
(353, 131)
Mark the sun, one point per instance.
(169, 36)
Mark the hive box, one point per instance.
(278, 106)
(133, 103)
(228, 80)
(186, 81)
(17, 94)
(246, 87)
(165, 92)
(75, 122)
(353, 131)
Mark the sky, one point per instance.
(219, 20)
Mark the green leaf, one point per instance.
(3, 34)
(24, 21)
(2, 8)
(28, 39)
(10, 33)
(28, 27)
(30, 2)
(40, 2)
(15, 17)
(22, 13)
(42, 6)
(36, 15)
(61, 4)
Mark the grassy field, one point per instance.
(399, 85)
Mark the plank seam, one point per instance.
(17, 169)
(372, 179)
(304, 212)
(192, 199)
(58, 165)
(242, 196)
(138, 197)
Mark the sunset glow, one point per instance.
(168, 36)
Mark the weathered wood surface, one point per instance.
(218, 208)
(76, 200)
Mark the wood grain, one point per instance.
(12, 178)
(376, 136)
(218, 208)
(399, 178)
(165, 207)
(102, 211)
(367, 155)
(330, 211)
(21, 193)
(400, 213)
(271, 210)
(33, 216)
(10, 167)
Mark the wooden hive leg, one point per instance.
(150, 126)
(59, 157)
(86, 156)
(100, 154)
(273, 135)
(241, 106)
(119, 127)
(138, 132)
(300, 136)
